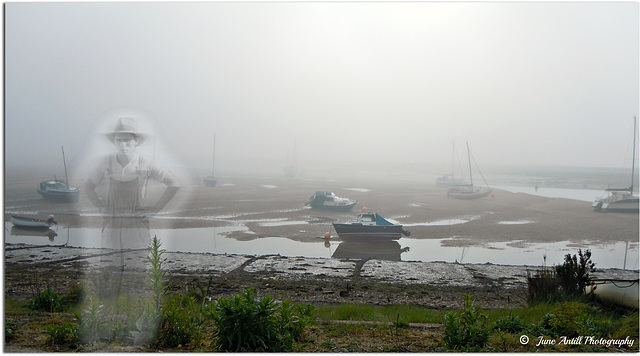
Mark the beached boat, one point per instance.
(370, 227)
(211, 181)
(329, 201)
(622, 292)
(469, 191)
(58, 190)
(32, 223)
(621, 199)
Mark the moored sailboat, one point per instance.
(211, 181)
(469, 191)
(58, 190)
(621, 199)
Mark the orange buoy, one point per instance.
(327, 235)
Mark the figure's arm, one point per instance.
(90, 190)
(172, 185)
(166, 197)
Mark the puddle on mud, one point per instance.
(445, 222)
(215, 240)
(516, 222)
(361, 190)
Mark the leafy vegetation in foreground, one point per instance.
(248, 322)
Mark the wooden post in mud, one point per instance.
(626, 247)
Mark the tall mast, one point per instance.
(213, 163)
(469, 157)
(633, 163)
(66, 177)
(453, 158)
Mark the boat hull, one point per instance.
(333, 207)
(630, 205)
(467, 193)
(58, 191)
(29, 223)
(360, 232)
(210, 182)
(60, 196)
(622, 292)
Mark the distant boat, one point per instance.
(25, 222)
(469, 191)
(448, 180)
(622, 292)
(329, 201)
(621, 199)
(58, 190)
(370, 227)
(292, 167)
(211, 181)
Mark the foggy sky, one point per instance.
(524, 83)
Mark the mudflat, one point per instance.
(246, 201)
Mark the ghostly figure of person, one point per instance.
(127, 173)
(124, 175)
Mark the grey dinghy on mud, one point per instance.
(329, 201)
(30, 223)
(370, 227)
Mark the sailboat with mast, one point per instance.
(621, 199)
(58, 190)
(211, 181)
(292, 167)
(469, 191)
(448, 180)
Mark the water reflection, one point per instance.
(44, 232)
(380, 250)
(217, 241)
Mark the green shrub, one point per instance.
(573, 274)
(47, 301)
(157, 284)
(466, 330)
(10, 330)
(511, 324)
(90, 324)
(542, 287)
(562, 320)
(563, 282)
(599, 328)
(246, 323)
(63, 334)
(181, 323)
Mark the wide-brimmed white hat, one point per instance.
(126, 125)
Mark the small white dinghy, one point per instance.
(622, 292)
(30, 223)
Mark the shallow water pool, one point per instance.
(215, 240)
